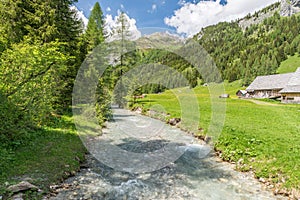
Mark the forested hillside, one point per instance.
(154, 59)
(257, 50)
(241, 49)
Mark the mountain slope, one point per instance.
(257, 49)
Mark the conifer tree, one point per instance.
(94, 31)
(40, 23)
(121, 35)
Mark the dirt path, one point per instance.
(193, 173)
(262, 102)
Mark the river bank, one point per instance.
(195, 175)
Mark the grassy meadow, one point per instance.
(264, 138)
(43, 157)
(289, 65)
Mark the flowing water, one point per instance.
(163, 164)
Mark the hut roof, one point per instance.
(291, 89)
(270, 82)
(293, 85)
(242, 92)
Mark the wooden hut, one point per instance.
(268, 86)
(242, 93)
(291, 92)
(283, 86)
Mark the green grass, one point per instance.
(289, 65)
(262, 138)
(44, 157)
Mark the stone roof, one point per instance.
(270, 82)
(293, 85)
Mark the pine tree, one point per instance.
(11, 21)
(94, 31)
(42, 20)
(121, 36)
(121, 31)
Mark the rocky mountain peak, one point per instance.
(285, 8)
(289, 7)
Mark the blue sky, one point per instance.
(147, 13)
(183, 16)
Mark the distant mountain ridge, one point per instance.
(285, 8)
(259, 17)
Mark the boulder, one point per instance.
(139, 110)
(17, 197)
(224, 96)
(174, 121)
(22, 186)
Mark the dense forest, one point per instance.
(257, 50)
(42, 46)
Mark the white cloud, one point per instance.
(190, 18)
(80, 15)
(108, 9)
(182, 2)
(153, 8)
(111, 24)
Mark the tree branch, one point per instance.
(33, 76)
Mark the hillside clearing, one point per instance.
(289, 65)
